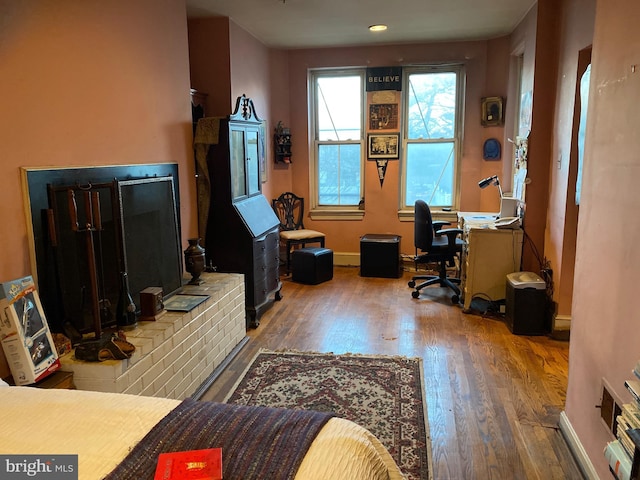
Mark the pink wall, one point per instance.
(210, 63)
(227, 62)
(90, 83)
(540, 65)
(250, 75)
(277, 81)
(604, 334)
(381, 211)
(280, 178)
(576, 28)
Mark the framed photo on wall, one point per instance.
(383, 145)
(492, 111)
(383, 116)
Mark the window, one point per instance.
(337, 120)
(585, 80)
(431, 117)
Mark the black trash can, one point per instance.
(526, 304)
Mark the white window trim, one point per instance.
(405, 213)
(333, 212)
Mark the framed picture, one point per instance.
(384, 145)
(383, 116)
(492, 111)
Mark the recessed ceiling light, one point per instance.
(378, 28)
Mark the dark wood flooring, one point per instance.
(493, 398)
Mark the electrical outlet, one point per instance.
(609, 410)
(606, 408)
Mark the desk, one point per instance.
(488, 256)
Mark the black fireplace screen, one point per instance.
(89, 225)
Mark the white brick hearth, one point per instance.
(177, 353)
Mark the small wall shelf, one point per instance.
(282, 144)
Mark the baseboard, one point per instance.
(346, 259)
(562, 322)
(578, 451)
(351, 259)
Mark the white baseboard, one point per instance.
(579, 453)
(562, 322)
(346, 259)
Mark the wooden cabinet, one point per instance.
(242, 233)
(489, 255)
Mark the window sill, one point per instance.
(335, 214)
(451, 217)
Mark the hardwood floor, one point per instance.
(493, 398)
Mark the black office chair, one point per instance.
(289, 209)
(437, 245)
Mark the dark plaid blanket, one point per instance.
(257, 442)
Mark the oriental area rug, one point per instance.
(383, 394)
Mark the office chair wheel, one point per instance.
(415, 294)
(455, 299)
(412, 284)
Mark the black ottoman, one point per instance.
(312, 265)
(380, 256)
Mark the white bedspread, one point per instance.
(102, 427)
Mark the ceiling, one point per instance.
(292, 24)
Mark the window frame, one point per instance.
(333, 212)
(405, 212)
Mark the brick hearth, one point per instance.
(178, 353)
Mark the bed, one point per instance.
(108, 431)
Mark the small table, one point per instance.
(380, 256)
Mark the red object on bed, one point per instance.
(205, 464)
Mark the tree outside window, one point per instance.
(431, 136)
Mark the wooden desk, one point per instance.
(489, 255)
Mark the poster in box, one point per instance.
(26, 339)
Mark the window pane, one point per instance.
(339, 109)
(238, 187)
(430, 173)
(432, 105)
(339, 174)
(253, 176)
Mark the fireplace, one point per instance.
(89, 225)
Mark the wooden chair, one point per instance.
(290, 211)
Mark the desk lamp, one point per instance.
(508, 206)
(484, 183)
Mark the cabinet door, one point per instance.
(253, 159)
(237, 160)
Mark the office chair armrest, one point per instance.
(451, 234)
(438, 224)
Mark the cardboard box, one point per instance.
(26, 340)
